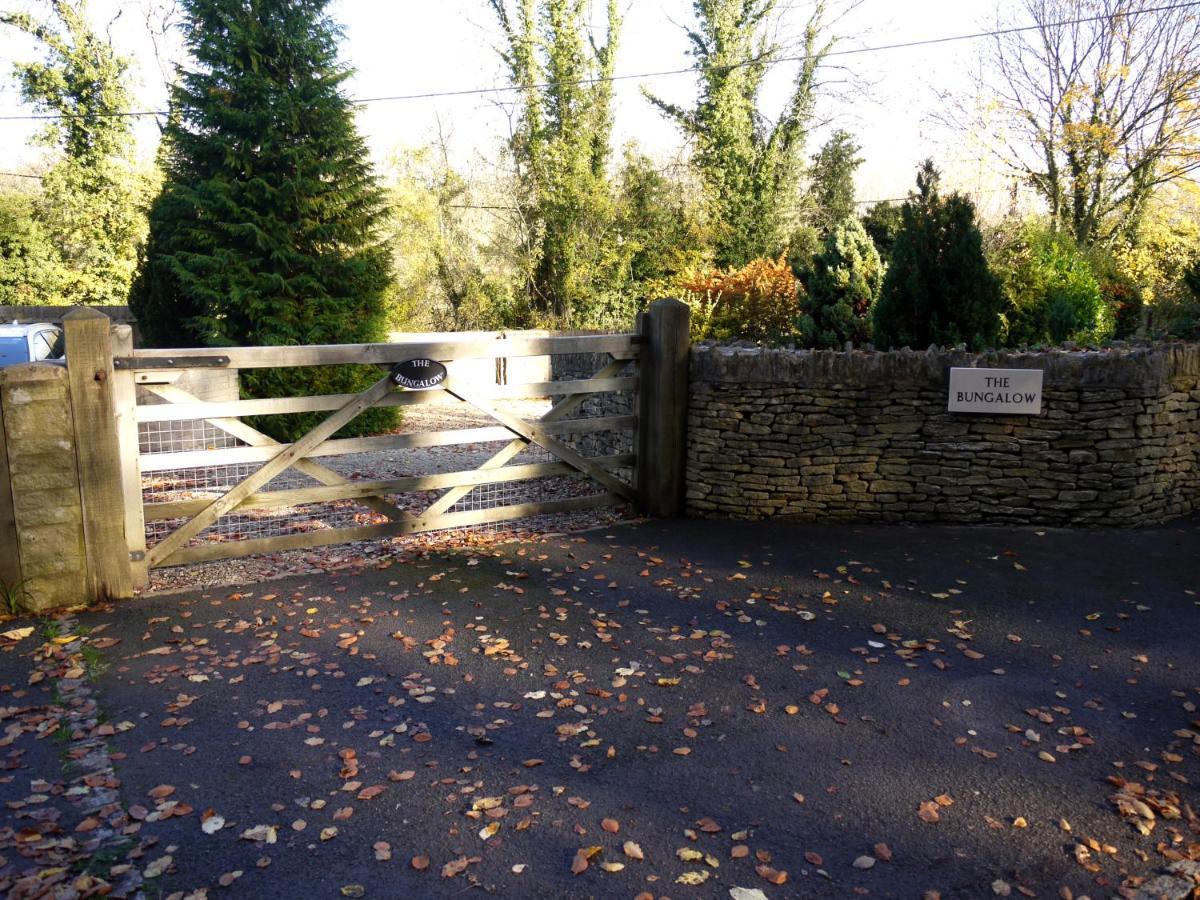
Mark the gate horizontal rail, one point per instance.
(621, 346)
(414, 525)
(352, 490)
(179, 412)
(190, 459)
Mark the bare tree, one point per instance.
(1097, 106)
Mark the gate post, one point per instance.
(662, 408)
(101, 489)
(125, 400)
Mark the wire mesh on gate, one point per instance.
(211, 481)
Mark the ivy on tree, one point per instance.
(561, 148)
(750, 168)
(90, 210)
(938, 288)
(267, 230)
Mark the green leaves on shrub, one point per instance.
(1053, 291)
(844, 282)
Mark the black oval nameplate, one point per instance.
(418, 374)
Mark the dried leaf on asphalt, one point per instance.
(262, 833)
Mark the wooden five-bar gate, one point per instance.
(160, 505)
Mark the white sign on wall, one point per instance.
(1005, 391)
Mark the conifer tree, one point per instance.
(882, 222)
(938, 288)
(831, 188)
(267, 228)
(842, 286)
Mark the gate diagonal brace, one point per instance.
(560, 410)
(538, 436)
(286, 457)
(310, 467)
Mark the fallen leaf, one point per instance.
(262, 833)
(774, 876)
(158, 867)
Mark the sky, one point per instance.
(888, 99)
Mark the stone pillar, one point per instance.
(40, 503)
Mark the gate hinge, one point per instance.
(174, 362)
(137, 555)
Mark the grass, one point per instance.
(15, 597)
(49, 629)
(94, 663)
(100, 862)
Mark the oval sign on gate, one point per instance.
(418, 374)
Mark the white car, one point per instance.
(30, 343)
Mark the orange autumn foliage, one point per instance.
(759, 302)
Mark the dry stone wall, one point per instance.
(866, 436)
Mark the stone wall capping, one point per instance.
(1135, 367)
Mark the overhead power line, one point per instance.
(664, 73)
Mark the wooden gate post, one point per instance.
(663, 401)
(125, 403)
(98, 449)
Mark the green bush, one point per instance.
(938, 288)
(1053, 291)
(882, 221)
(843, 284)
(1186, 320)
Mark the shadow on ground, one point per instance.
(801, 692)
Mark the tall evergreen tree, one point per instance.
(750, 168)
(561, 145)
(92, 204)
(831, 188)
(267, 227)
(938, 288)
(845, 280)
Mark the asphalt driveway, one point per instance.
(671, 709)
